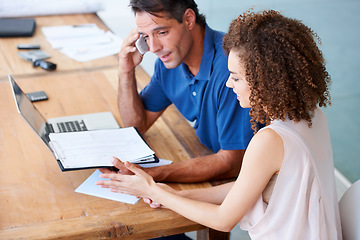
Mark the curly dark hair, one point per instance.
(284, 67)
(173, 8)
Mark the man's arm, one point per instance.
(131, 108)
(220, 165)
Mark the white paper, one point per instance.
(90, 188)
(83, 42)
(97, 147)
(71, 31)
(90, 52)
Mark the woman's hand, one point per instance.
(139, 184)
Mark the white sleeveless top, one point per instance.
(303, 204)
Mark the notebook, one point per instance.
(17, 27)
(93, 121)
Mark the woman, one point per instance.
(286, 187)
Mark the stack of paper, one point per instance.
(93, 149)
(83, 42)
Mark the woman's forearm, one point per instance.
(204, 210)
(215, 195)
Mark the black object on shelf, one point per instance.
(11, 27)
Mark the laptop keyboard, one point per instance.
(72, 126)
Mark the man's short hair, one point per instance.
(174, 9)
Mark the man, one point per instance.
(190, 72)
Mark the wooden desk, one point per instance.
(37, 200)
(10, 62)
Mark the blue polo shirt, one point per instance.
(220, 122)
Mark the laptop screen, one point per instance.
(27, 109)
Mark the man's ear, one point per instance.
(189, 18)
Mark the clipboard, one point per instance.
(94, 149)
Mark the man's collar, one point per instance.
(206, 59)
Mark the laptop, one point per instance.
(85, 122)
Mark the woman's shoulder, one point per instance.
(267, 148)
(267, 135)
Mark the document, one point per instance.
(83, 42)
(88, 186)
(94, 149)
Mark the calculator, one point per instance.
(37, 96)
